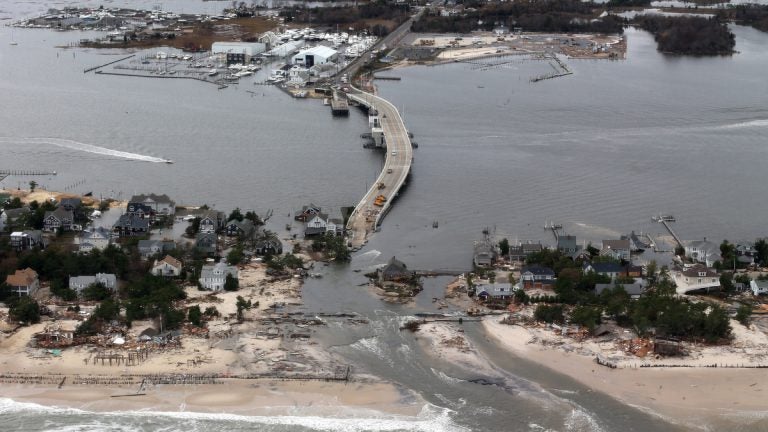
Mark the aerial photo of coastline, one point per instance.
(383, 215)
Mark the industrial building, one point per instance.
(315, 56)
(238, 52)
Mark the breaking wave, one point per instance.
(430, 418)
(83, 147)
(746, 124)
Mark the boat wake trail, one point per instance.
(88, 148)
(746, 124)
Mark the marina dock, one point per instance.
(368, 214)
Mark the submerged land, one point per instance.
(246, 344)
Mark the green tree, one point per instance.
(235, 256)
(211, 312)
(761, 252)
(231, 283)
(32, 185)
(744, 314)
(236, 215)
(194, 315)
(25, 310)
(650, 271)
(97, 292)
(242, 305)
(193, 228)
(549, 313)
(586, 316)
(504, 247)
(726, 282)
(728, 254)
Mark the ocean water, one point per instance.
(599, 151)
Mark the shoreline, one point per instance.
(233, 396)
(687, 396)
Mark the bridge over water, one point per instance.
(397, 166)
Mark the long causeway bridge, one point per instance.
(397, 166)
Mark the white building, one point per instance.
(99, 239)
(703, 251)
(758, 287)
(79, 283)
(249, 49)
(696, 278)
(315, 56)
(298, 75)
(213, 276)
(167, 267)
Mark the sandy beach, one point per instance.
(233, 396)
(692, 396)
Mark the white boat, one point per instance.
(213, 72)
(243, 73)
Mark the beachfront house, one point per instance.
(79, 283)
(26, 240)
(702, 251)
(71, 204)
(320, 224)
(394, 270)
(58, 219)
(160, 205)
(130, 226)
(211, 221)
(537, 277)
(99, 239)
(494, 291)
(484, 254)
(23, 282)
(567, 244)
(307, 212)
(268, 243)
(213, 276)
(619, 250)
(697, 278)
(243, 229)
(521, 252)
(167, 267)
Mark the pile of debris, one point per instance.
(639, 347)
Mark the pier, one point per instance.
(371, 210)
(6, 173)
(664, 220)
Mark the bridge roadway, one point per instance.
(366, 217)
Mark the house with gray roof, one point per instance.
(214, 276)
(495, 291)
(616, 249)
(702, 251)
(26, 240)
(160, 204)
(610, 269)
(484, 254)
(243, 229)
(58, 219)
(394, 270)
(537, 277)
(79, 283)
(211, 221)
(14, 216)
(522, 251)
(321, 223)
(131, 226)
(635, 290)
(567, 244)
(758, 287)
(207, 243)
(99, 238)
(148, 248)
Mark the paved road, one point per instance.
(397, 165)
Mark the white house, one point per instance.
(616, 249)
(168, 267)
(696, 278)
(315, 56)
(320, 223)
(758, 287)
(703, 251)
(99, 239)
(79, 283)
(213, 276)
(160, 204)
